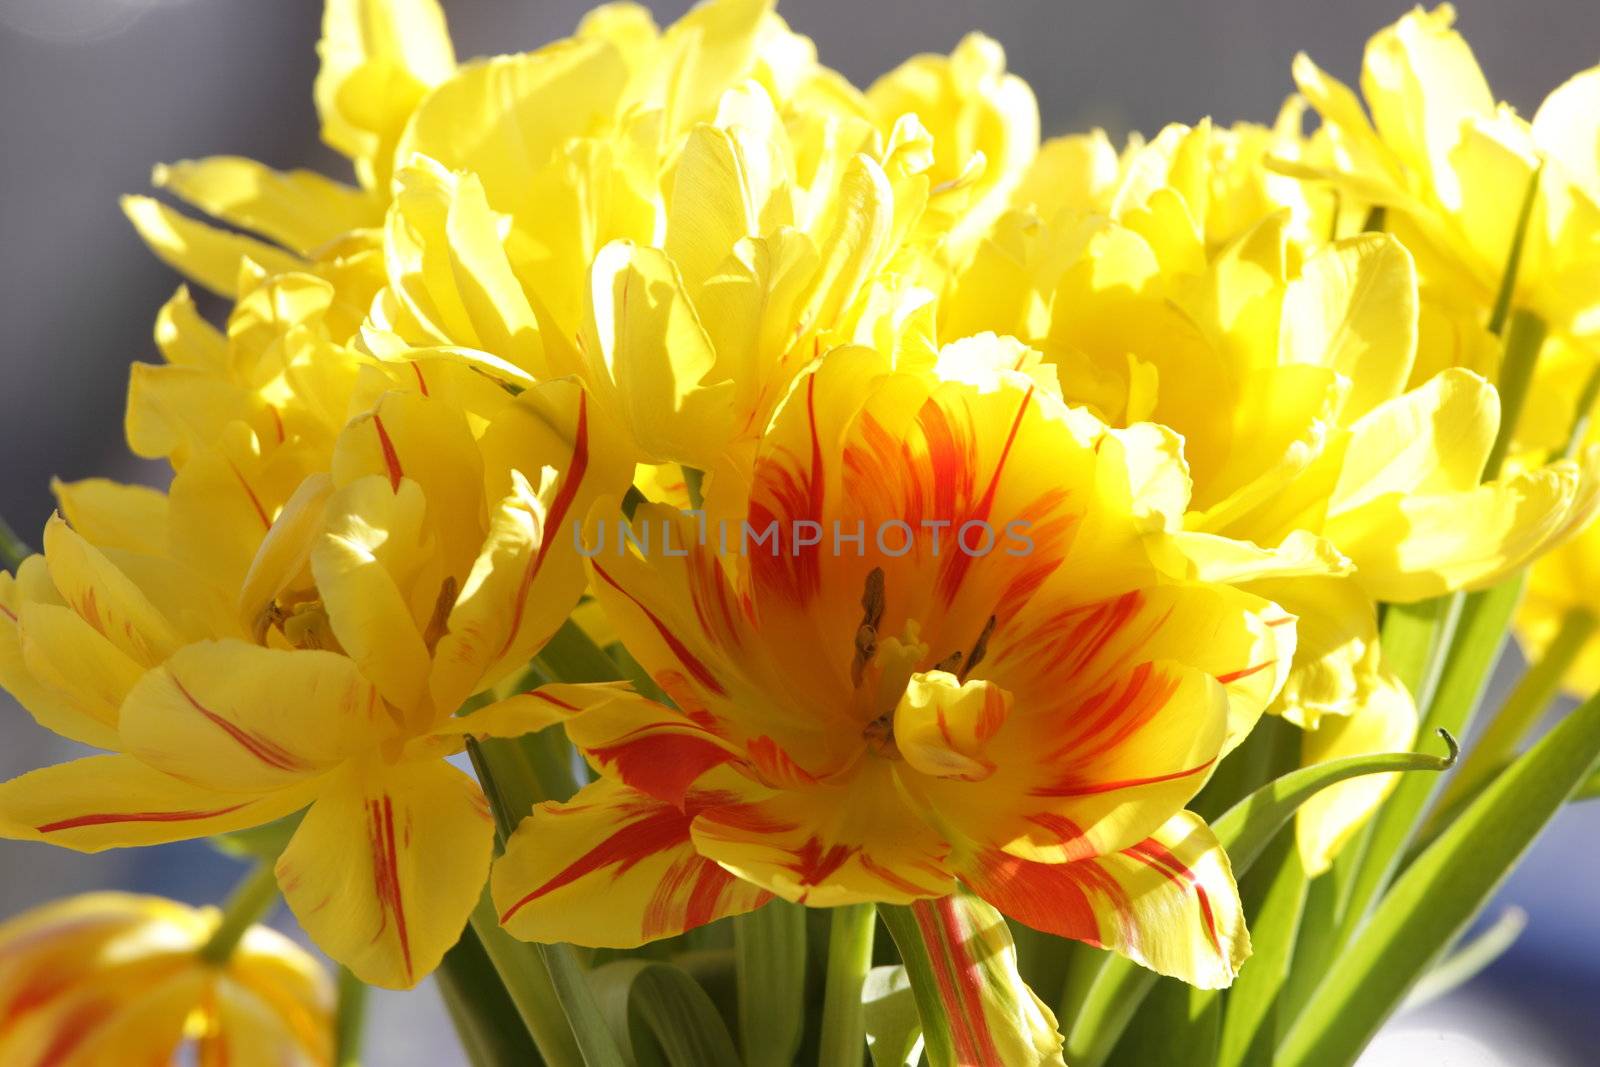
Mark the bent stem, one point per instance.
(850, 936)
(250, 900)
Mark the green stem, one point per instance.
(512, 790)
(1581, 414)
(1522, 709)
(251, 900)
(527, 983)
(850, 936)
(486, 1022)
(1524, 341)
(13, 550)
(351, 1019)
(1508, 276)
(572, 656)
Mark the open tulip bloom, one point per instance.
(676, 510)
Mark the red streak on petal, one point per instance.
(1227, 679)
(701, 673)
(386, 872)
(422, 383)
(1157, 856)
(262, 748)
(255, 501)
(662, 829)
(391, 458)
(1096, 788)
(959, 980)
(107, 818)
(553, 522)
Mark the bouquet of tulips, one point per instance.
(721, 567)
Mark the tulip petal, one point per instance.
(612, 868)
(105, 802)
(206, 255)
(1168, 903)
(391, 909)
(239, 718)
(1384, 721)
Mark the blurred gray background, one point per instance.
(94, 92)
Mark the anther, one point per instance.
(872, 606)
(979, 649)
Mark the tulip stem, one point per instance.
(1524, 340)
(249, 902)
(351, 1020)
(13, 550)
(850, 935)
(1508, 276)
(1581, 413)
(1520, 713)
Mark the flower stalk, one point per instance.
(850, 936)
(249, 902)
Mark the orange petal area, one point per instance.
(118, 802)
(387, 865)
(1169, 902)
(857, 837)
(612, 868)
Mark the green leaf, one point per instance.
(1480, 636)
(1177, 1027)
(1274, 898)
(770, 960)
(894, 1028)
(486, 1021)
(850, 936)
(1470, 960)
(264, 842)
(659, 1015)
(1438, 895)
(572, 656)
(527, 982)
(1244, 831)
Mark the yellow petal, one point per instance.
(942, 725)
(387, 865)
(186, 338)
(105, 802)
(648, 359)
(78, 667)
(206, 255)
(115, 514)
(376, 573)
(1169, 902)
(53, 708)
(378, 58)
(236, 717)
(104, 597)
(298, 209)
(611, 868)
(1385, 720)
(428, 441)
(1354, 309)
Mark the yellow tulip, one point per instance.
(881, 723)
(425, 567)
(1452, 165)
(107, 979)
